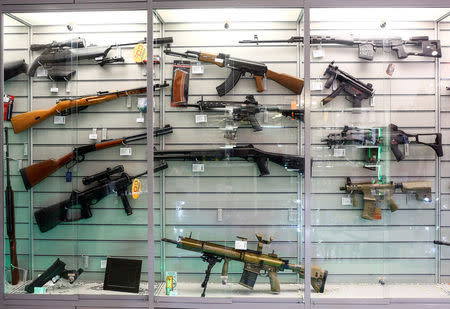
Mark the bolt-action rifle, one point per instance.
(34, 174)
(66, 107)
(354, 89)
(110, 181)
(14, 68)
(255, 263)
(240, 67)
(377, 193)
(243, 151)
(244, 111)
(367, 47)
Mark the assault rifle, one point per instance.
(110, 181)
(367, 47)
(355, 90)
(255, 263)
(243, 151)
(10, 218)
(243, 111)
(240, 67)
(66, 107)
(377, 193)
(34, 174)
(14, 68)
(56, 271)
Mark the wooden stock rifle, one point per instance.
(34, 174)
(66, 107)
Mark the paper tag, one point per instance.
(140, 119)
(390, 69)
(316, 85)
(197, 69)
(39, 290)
(339, 152)
(104, 133)
(93, 136)
(346, 200)
(218, 60)
(240, 245)
(128, 100)
(25, 149)
(103, 263)
(59, 120)
(201, 118)
(41, 72)
(54, 90)
(198, 168)
(142, 104)
(126, 151)
(219, 214)
(318, 52)
(136, 188)
(292, 215)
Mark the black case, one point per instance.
(122, 275)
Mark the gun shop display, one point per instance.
(368, 47)
(255, 263)
(377, 194)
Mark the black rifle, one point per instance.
(399, 137)
(367, 47)
(444, 243)
(244, 111)
(55, 272)
(354, 89)
(14, 68)
(110, 181)
(243, 151)
(10, 219)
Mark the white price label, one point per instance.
(346, 201)
(140, 120)
(240, 244)
(316, 85)
(197, 69)
(318, 52)
(292, 215)
(339, 152)
(219, 214)
(93, 136)
(103, 263)
(59, 120)
(198, 168)
(201, 118)
(41, 72)
(54, 90)
(218, 60)
(104, 133)
(126, 151)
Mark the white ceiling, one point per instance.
(378, 14)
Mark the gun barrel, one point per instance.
(170, 240)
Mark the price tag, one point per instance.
(40, 290)
(25, 149)
(346, 201)
(316, 85)
(219, 214)
(198, 168)
(54, 90)
(126, 151)
(240, 245)
(197, 69)
(104, 133)
(59, 120)
(41, 72)
(218, 60)
(339, 152)
(201, 118)
(103, 263)
(93, 136)
(140, 119)
(142, 104)
(318, 52)
(292, 215)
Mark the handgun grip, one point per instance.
(125, 202)
(400, 50)
(254, 122)
(49, 217)
(371, 211)
(274, 282)
(229, 83)
(259, 83)
(261, 162)
(331, 96)
(396, 151)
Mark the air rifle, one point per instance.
(244, 111)
(377, 193)
(354, 89)
(255, 263)
(10, 218)
(110, 181)
(367, 47)
(14, 68)
(34, 174)
(240, 67)
(66, 107)
(243, 151)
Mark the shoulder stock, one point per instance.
(27, 120)
(293, 83)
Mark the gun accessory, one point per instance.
(367, 47)
(110, 181)
(243, 151)
(55, 272)
(377, 193)
(243, 112)
(10, 218)
(8, 104)
(72, 50)
(34, 174)
(254, 261)
(399, 137)
(14, 68)
(240, 67)
(66, 107)
(354, 89)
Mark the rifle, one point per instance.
(10, 220)
(244, 111)
(34, 174)
(239, 67)
(254, 262)
(66, 107)
(444, 243)
(14, 68)
(355, 89)
(367, 47)
(55, 272)
(243, 151)
(399, 137)
(377, 193)
(110, 181)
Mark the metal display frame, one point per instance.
(150, 301)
